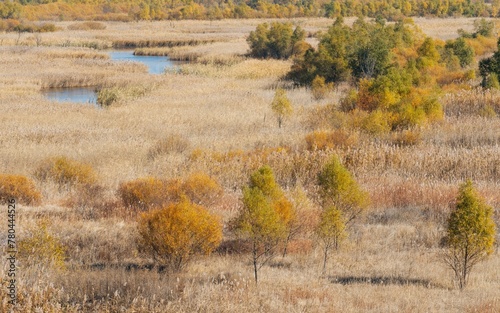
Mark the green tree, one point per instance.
(339, 189)
(264, 217)
(483, 27)
(174, 234)
(462, 50)
(428, 54)
(281, 106)
(470, 233)
(331, 231)
(277, 40)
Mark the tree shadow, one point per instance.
(382, 281)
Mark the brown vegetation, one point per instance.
(214, 117)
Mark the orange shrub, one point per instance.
(174, 234)
(66, 171)
(201, 188)
(20, 188)
(150, 192)
(145, 193)
(322, 140)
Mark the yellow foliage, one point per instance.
(43, 248)
(20, 188)
(322, 140)
(66, 171)
(144, 193)
(320, 88)
(150, 192)
(201, 188)
(174, 234)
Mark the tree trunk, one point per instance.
(255, 269)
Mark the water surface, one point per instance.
(72, 94)
(155, 64)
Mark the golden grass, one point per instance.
(214, 117)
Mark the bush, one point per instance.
(149, 192)
(278, 41)
(66, 171)
(42, 248)
(201, 188)
(322, 140)
(174, 234)
(144, 193)
(319, 88)
(20, 188)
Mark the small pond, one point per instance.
(73, 94)
(156, 64)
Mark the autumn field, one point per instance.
(202, 130)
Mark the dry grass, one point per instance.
(214, 117)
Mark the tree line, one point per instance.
(212, 9)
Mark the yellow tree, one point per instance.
(339, 189)
(470, 234)
(281, 106)
(174, 234)
(342, 200)
(330, 231)
(264, 217)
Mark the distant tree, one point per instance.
(428, 54)
(339, 189)
(264, 217)
(490, 66)
(175, 234)
(470, 233)
(275, 41)
(462, 50)
(483, 27)
(281, 106)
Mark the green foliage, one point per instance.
(277, 41)
(428, 54)
(470, 233)
(42, 248)
(338, 189)
(281, 106)
(66, 172)
(461, 50)
(20, 188)
(331, 231)
(491, 81)
(265, 216)
(362, 51)
(175, 234)
(490, 66)
(483, 27)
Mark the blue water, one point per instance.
(156, 64)
(73, 94)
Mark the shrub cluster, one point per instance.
(20, 188)
(150, 192)
(66, 172)
(278, 41)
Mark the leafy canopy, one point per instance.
(174, 234)
(470, 234)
